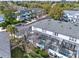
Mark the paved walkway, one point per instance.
(4, 45)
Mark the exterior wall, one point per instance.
(43, 31)
(57, 35)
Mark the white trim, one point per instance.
(63, 36)
(37, 29)
(49, 32)
(58, 54)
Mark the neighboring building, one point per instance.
(24, 14)
(59, 38)
(66, 0)
(72, 0)
(4, 45)
(71, 15)
(38, 12)
(28, 14)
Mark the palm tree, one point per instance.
(12, 30)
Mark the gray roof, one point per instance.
(37, 10)
(65, 28)
(71, 12)
(4, 45)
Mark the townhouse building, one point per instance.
(57, 37)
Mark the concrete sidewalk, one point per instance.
(4, 45)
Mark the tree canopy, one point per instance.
(57, 11)
(11, 29)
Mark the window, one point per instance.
(54, 48)
(68, 45)
(56, 34)
(72, 47)
(44, 31)
(73, 39)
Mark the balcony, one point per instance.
(66, 52)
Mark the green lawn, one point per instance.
(17, 53)
(38, 53)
